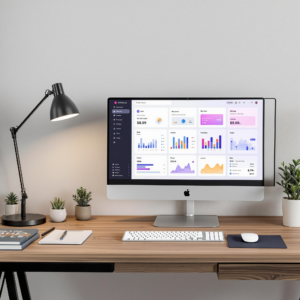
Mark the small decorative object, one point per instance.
(12, 205)
(82, 209)
(291, 184)
(58, 212)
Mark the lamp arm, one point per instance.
(47, 94)
(23, 191)
(14, 131)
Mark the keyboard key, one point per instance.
(207, 236)
(221, 236)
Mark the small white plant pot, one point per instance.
(291, 212)
(83, 213)
(58, 215)
(11, 209)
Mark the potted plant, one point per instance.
(12, 205)
(291, 186)
(58, 212)
(82, 209)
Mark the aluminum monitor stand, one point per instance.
(189, 220)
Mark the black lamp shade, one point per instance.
(62, 106)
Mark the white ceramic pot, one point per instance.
(291, 212)
(11, 209)
(58, 215)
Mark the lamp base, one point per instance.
(18, 221)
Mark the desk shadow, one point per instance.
(50, 221)
(261, 220)
(138, 219)
(90, 219)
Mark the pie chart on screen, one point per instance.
(159, 120)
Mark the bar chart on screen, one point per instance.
(150, 165)
(212, 141)
(182, 141)
(150, 141)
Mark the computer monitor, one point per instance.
(186, 149)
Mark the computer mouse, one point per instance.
(249, 237)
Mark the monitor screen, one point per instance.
(185, 141)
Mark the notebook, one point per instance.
(16, 236)
(19, 246)
(73, 237)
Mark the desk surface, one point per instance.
(105, 244)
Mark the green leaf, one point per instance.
(290, 179)
(82, 198)
(58, 203)
(11, 199)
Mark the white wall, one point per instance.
(99, 49)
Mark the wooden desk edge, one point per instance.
(165, 268)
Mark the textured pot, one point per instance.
(83, 213)
(58, 215)
(11, 209)
(291, 212)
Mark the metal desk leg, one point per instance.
(2, 284)
(24, 285)
(11, 286)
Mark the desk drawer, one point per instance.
(259, 271)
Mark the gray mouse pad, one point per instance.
(265, 241)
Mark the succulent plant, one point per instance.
(11, 199)
(58, 203)
(82, 198)
(290, 179)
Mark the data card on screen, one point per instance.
(182, 141)
(182, 165)
(183, 117)
(150, 141)
(150, 165)
(150, 117)
(242, 117)
(212, 117)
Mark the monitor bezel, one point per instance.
(179, 182)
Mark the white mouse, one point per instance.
(249, 237)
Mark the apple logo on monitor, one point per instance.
(186, 193)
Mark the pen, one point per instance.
(46, 232)
(63, 235)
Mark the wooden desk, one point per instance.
(105, 246)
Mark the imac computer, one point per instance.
(186, 149)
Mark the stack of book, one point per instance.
(17, 239)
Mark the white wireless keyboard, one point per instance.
(173, 236)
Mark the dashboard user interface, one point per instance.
(167, 140)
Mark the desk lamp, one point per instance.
(62, 108)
